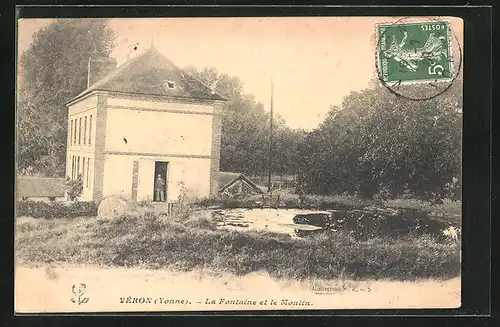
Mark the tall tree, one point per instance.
(245, 130)
(378, 142)
(52, 71)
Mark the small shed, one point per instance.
(237, 184)
(40, 188)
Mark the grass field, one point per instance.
(190, 240)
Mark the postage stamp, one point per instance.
(414, 52)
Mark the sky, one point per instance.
(313, 61)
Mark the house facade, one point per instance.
(143, 119)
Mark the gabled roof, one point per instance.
(31, 186)
(227, 179)
(149, 73)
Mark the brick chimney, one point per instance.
(98, 68)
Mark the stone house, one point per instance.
(143, 119)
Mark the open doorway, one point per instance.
(160, 181)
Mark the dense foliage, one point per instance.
(74, 187)
(51, 72)
(381, 143)
(375, 143)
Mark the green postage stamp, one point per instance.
(414, 52)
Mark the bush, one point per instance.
(56, 209)
(446, 208)
(74, 187)
(182, 210)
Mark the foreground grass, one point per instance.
(192, 241)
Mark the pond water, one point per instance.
(272, 220)
(361, 224)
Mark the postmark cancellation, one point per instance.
(412, 52)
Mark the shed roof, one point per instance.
(150, 73)
(226, 179)
(31, 186)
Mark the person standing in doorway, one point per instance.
(160, 189)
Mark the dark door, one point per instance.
(161, 169)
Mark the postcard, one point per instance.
(238, 164)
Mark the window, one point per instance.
(83, 170)
(88, 171)
(90, 130)
(73, 167)
(77, 166)
(74, 135)
(168, 85)
(71, 133)
(85, 132)
(80, 131)
(52, 198)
